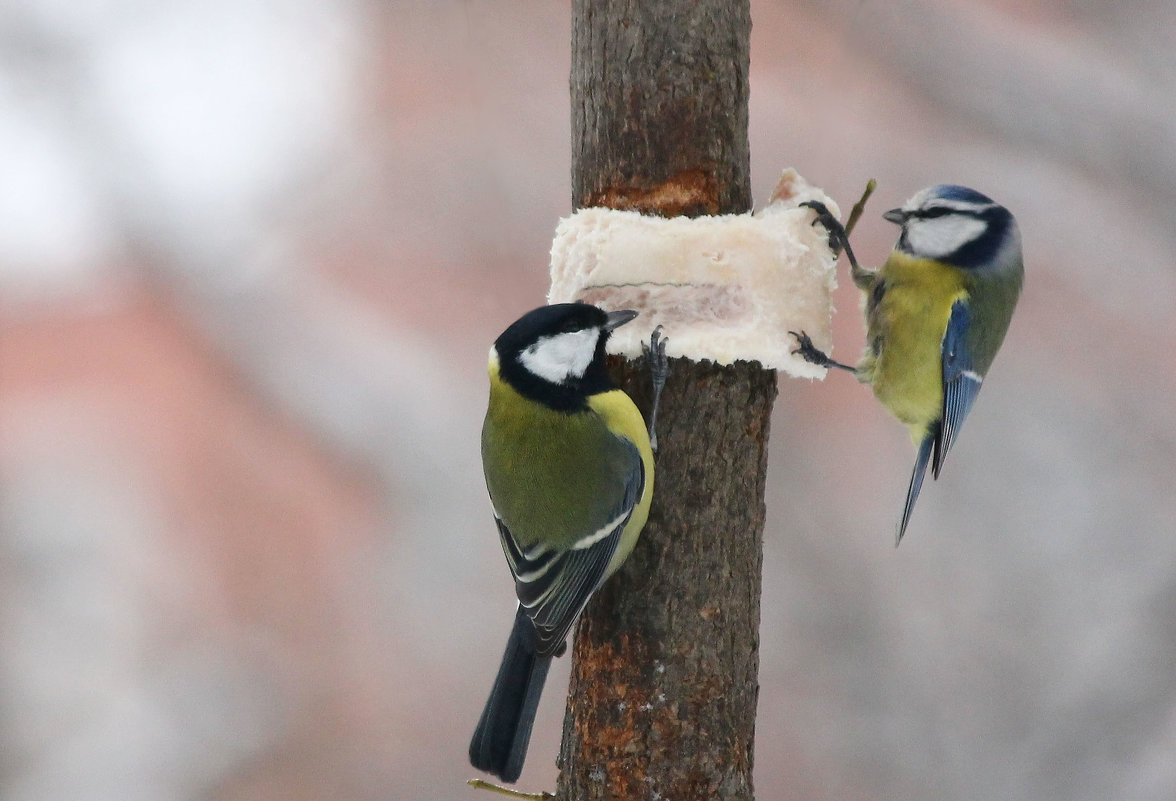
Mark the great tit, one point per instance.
(569, 468)
(936, 314)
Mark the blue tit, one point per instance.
(936, 314)
(569, 468)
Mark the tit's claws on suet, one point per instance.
(832, 225)
(808, 351)
(659, 367)
(838, 238)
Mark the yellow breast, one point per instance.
(906, 328)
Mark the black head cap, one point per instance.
(555, 354)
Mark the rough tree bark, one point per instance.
(665, 661)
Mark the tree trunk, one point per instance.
(665, 660)
(659, 105)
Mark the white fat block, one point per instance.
(723, 288)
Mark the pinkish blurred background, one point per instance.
(252, 255)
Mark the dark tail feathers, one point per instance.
(499, 745)
(916, 482)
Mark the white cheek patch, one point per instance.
(941, 236)
(558, 357)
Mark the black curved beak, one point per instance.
(616, 319)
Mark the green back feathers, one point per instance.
(560, 475)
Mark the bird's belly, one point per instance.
(911, 390)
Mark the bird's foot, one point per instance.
(808, 351)
(838, 238)
(659, 368)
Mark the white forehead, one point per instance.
(558, 357)
(917, 200)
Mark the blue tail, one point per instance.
(499, 744)
(916, 482)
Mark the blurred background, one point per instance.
(252, 255)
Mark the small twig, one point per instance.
(482, 784)
(856, 212)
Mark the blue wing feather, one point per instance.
(960, 383)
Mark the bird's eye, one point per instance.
(569, 326)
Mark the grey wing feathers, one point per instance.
(552, 584)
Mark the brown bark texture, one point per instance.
(665, 660)
(659, 105)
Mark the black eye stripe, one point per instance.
(938, 211)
